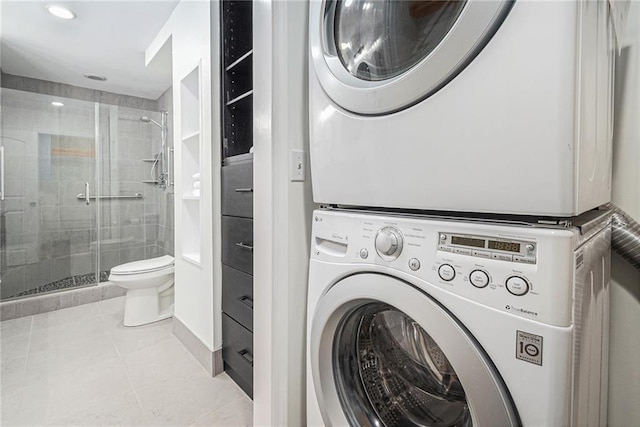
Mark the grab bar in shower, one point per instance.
(134, 196)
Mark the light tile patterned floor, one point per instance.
(81, 367)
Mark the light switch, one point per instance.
(296, 165)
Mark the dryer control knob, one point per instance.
(389, 243)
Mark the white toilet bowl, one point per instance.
(149, 284)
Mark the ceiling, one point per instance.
(108, 38)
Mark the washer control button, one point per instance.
(529, 247)
(462, 251)
(445, 248)
(364, 254)
(479, 278)
(524, 259)
(481, 254)
(414, 264)
(446, 272)
(517, 285)
(502, 257)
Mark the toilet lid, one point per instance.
(144, 266)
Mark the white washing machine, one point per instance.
(475, 106)
(427, 321)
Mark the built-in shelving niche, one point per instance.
(191, 140)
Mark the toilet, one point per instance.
(149, 285)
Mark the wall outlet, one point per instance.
(296, 165)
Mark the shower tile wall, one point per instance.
(49, 235)
(133, 229)
(165, 199)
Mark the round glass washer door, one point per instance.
(379, 56)
(400, 359)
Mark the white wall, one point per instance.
(283, 209)
(197, 293)
(624, 366)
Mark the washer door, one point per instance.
(380, 56)
(384, 353)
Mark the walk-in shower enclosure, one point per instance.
(79, 189)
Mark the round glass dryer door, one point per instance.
(400, 359)
(380, 56)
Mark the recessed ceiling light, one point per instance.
(60, 11)
(94, 77)
(57, 104)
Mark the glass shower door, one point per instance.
(47, 229)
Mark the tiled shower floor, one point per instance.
(81, 367)
(66, 283)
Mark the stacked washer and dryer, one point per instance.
(459, 268)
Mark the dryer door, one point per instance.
(380, 56)
(384, 353)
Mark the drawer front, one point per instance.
(237, 189)
(237, 243)
(237, 296)
(237, 348)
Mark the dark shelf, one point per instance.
(239, 79)
(237, 30)
(237, 135)
(240, 61)
(230, 160)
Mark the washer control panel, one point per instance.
(525, 271)
(488, 247)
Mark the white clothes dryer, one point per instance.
(433, 321)
(476, 106)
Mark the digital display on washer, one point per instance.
(467, 241)
(504, 246)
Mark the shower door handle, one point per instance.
(169, 166)
(2, 173)
(86, 192)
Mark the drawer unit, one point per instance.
(237, 188)
(237, 243)
(237, 295)
(237, 353)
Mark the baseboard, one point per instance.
(210, 360)
(38, 304)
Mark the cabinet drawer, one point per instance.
(237, 348)
(237, 189)
(237, 243)
(237, 296)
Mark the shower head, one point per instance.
(150, 120)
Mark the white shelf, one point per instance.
(193, 258)
(191, 135)
(188, 197)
